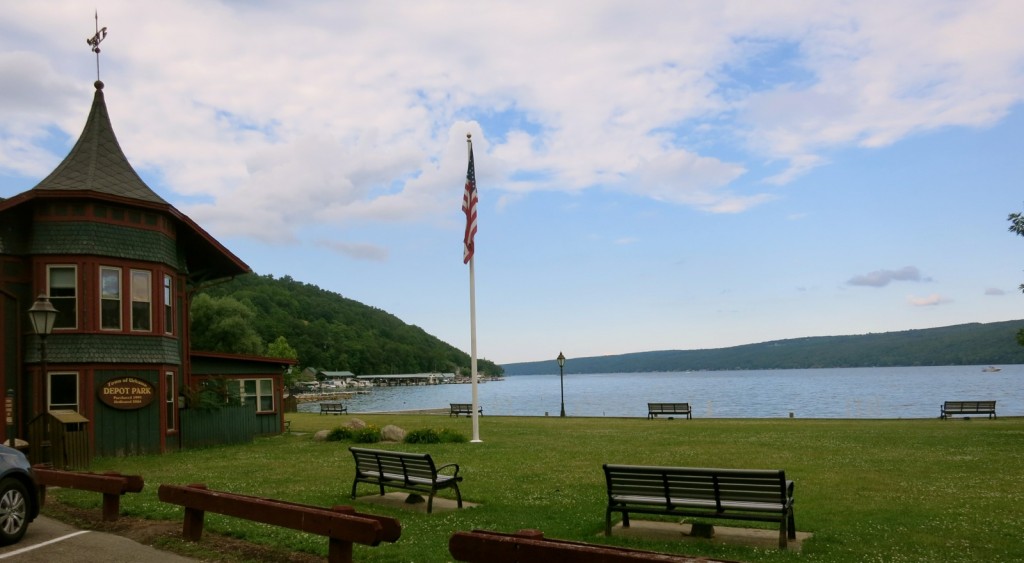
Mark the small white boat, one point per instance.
(991, 369)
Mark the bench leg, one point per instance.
(458, 494)
(339, 551)
(430, 503)
(608, 521)
(111, 507)
(192, 528)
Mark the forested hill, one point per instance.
(331, 332)
(967, 344)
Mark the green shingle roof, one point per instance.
(97, 163)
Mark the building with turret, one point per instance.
(119, 264)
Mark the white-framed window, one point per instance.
(168, 304)
(142, 298)
(62, 391)
(110, 298)
(170, 411)
(260, 391)
(62, 287)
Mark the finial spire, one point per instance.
(95, 41)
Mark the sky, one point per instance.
(652, 175)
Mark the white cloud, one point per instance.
(927, 301)
(318, 112)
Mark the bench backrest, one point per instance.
(668, 406)
(735, 485)
(970, 405)
(394, 463)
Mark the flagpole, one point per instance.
(472, 347)
(469, 201)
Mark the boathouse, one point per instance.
(120, 265)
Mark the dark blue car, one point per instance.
(19, 495)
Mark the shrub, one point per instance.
(368, 435)
(432, 436)
(339, 434)
(422, 436)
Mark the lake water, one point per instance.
(909, 392)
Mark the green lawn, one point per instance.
(868, 490)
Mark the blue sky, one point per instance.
(652, 175)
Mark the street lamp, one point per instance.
(561, 379)
(42, 314)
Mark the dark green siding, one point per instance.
(101, 239)
(201, 428)
(127, 432)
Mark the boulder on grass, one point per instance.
(392, 433)
(355, 424)
(321, 435)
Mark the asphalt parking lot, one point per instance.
(52, 541)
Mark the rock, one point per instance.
(321, 435)
(392, 433)
(355, 424)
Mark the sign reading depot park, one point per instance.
(126, 393)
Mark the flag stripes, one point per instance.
(469, 201)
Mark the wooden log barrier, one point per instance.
(482, 546)
(112, 485)
(342, 525)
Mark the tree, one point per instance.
(1017, 226)
(281, 349)
(223, 324)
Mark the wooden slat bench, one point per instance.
(654, 409)
(950, 408)
(333, 408)
(401, 470)
(735, 494)
(464, 408)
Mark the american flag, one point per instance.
(469, 201)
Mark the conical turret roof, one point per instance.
(97, 163)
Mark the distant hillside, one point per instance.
(968, 344)
(332, 332)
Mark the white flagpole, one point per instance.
(472, 346)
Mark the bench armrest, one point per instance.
(455, 465)
(789, 489)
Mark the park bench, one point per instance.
(654, 409)
(483, 546)
(111, 485)
(333, 408)
(734, 494)
(950, 408)
(342, 525)
(401, 470)
(464, 408)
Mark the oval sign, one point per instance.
(126, 393)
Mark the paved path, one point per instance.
(52, 541)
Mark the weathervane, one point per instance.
(95, 41)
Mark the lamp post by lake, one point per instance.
(561, 379)
(43, 315)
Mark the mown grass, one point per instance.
(868, 490)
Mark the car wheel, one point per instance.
(13, 511)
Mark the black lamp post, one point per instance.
(42, 314)
(561, 379)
